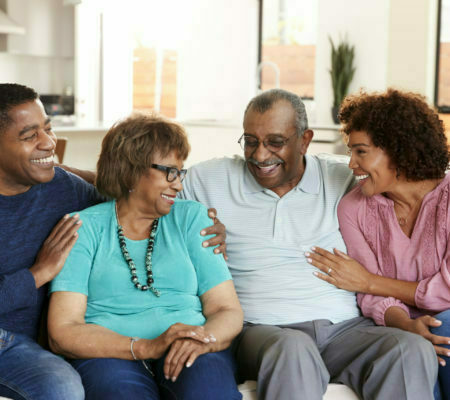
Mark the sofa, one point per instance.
(334, 392)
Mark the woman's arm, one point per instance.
(433, 293)
(397, 318)
(71, 336)
(360, 271)
(430, 293)
(348, 274)
(220, 304)
(224, 318)
(364, 267)
(223, 312)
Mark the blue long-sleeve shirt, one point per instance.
(26, 221)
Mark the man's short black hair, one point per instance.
(12, 95)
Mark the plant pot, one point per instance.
(334, 114)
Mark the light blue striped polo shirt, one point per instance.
(268, 235)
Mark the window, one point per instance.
(192, 60)
(154, 79)
(156, 30)
(288, 45)
(442, 94)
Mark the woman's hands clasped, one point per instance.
(155, 348)
(183, 344)
(183, 353)
(340, 270)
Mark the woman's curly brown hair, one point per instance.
(404, 126)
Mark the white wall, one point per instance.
(394, 46)
(365, 24)
(43, 57)
(46, 75)
(394, 42)
(87, 63)
(412, 45)
(217, 47)
(117, 67)
(49, 27)
(218, 60)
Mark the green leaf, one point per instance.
(342, 69)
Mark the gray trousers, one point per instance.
(297, 361)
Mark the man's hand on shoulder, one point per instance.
(218, 229)
(55, 250)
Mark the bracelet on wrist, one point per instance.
(132, 340)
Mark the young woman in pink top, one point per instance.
(396, 221)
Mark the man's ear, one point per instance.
(306, 140)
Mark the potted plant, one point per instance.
(342, 71)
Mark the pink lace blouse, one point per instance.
(374, 238)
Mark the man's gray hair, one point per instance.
(264, 101)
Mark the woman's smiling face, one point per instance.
(153, 189)
(371, 165)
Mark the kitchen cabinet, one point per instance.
(49, 26)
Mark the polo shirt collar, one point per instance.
(310, 182)
(250, 184)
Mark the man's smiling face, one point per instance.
(27, 147)
(279, 171)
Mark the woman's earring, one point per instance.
(130, 190)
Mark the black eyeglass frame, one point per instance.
(171, 170)
(265, 142)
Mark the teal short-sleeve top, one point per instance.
(182, 271)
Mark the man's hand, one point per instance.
(182, 353)
(54, 251)
(421, 326)
(219, 230)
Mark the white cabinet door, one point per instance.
(49, 28)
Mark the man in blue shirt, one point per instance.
(34, 196)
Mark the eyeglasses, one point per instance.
(172, 172)
(273, 143)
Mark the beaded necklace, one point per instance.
(148, 257)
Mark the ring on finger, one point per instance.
(329, 270)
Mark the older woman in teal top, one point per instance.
(140, 307)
